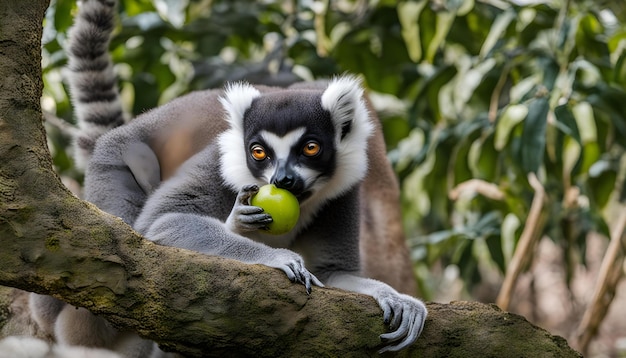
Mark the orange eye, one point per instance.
(258, 152)
(311, 149)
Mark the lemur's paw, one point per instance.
(405, 316)
(293, 266)
(245, 217)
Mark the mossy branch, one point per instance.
(54, 243)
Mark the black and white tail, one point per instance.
(92, 82)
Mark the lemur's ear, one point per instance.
(342, 98)
(237, 99)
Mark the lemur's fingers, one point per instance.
(293, 266)
(245, 217)
(405, 316)
(246, 193)
(316, 282)
(303, 276)
(252, 214)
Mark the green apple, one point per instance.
(281, 205)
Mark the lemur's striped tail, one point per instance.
(92, 82)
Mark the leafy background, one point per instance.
(484, 105)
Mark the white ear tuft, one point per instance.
(342, 98)
(237, 99)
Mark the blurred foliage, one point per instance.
(470, 92)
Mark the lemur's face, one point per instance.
(310, 142)
(290, 142)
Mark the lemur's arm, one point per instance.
(122, 173)
(190, 211)
(404, 314)
(331, 249)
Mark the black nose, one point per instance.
(285, 178)
(285, 182)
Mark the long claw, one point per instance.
(316, 282)
(405, 316)
(387, 314)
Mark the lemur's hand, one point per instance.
(245, 217)
(405, 316)
(293, 266)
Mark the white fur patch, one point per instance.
(281, 146)
(237, 99)
(343, 99)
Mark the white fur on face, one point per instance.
(236, 101)
(281, 147)
(343, 99)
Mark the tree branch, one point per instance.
(611, 270)
(527, 242)
(54, 243)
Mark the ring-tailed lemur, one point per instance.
(182, 175)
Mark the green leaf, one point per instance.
(495, 250)
(571, 156)
(512, 115)
(620, 68)
(571, 152)
(591, 154)
(172, 10)
(602, 178)
(466, 82)
(433, 88)
(461, 161)
(497, 30)
(508, 229)
(611, 100)
(444, 21)
(521, 90)
(585, 121)
(395, 129)
(566, 122)
(483, 158)
(136, 7)
(408, 14)
(534, 135)
(63, 15)
(468, 265)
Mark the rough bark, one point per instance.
(458, 329)
(54, 243)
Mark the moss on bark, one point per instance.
(53, 243)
